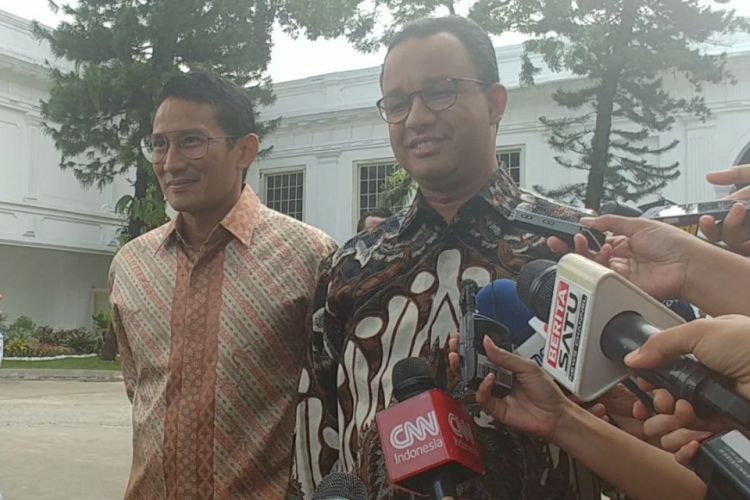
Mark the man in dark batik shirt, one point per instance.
(393, 292)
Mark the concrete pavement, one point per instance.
(63, 440)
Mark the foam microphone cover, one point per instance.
(341, 486)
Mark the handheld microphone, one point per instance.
(428, 438)
(475, 365)
(500, 301)
(595, 318)
(341, 486)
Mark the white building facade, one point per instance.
(330, 156)
(56, 238)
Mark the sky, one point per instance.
(292, 59)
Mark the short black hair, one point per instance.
(476, 41)
(233, 106)
(383, 213)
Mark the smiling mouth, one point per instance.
(425, 146)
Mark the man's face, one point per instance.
(208, 184)
(439, 149)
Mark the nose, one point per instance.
(419, 114)
(173, 161)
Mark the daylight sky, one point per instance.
(292, 59)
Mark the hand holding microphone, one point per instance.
(734, 230)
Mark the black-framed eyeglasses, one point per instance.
(438, 95)
(191, 145)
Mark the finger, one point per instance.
(687, 453)
(492, 405)
(626, 226)
(736, 175)
(453, 343)
(598, 410)
(581, 245)
(709, 228)
(685, 413)
(675, 440)
(454, 361)
(644, 385)
(732, 231)
(558, 246)
(664, 402)
(504, 359)
(670, 343)
(641, 411)
(741, 194)
(660, 425)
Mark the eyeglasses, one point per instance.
(437, 96)
(191, 145)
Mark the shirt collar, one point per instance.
(239, 221)
(500, 192)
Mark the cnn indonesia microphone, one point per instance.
(427, 437)
(595, 318)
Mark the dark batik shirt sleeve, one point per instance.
(315, 449)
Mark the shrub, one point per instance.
(18, 347)
(22, 327)
(47, 335)
(81, 340)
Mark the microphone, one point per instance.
(475, 365)
(427, 437)
(595, 318)
(341, 486)
(614, 207)
(500, 301)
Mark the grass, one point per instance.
(63, 364)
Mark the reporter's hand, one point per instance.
(652, 255)
(735, 175)
(535, 404)
(722, 344)
(734, 229)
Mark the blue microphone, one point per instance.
(499, 300)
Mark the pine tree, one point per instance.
(625, 49)
(123, 51)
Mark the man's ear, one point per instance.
(249, 146)
(497, 96)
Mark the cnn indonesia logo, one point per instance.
(422, 436)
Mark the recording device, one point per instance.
(686, 216)
(723, 463)
(595, 318)
(549, 218)
(475, 365)
(341, 486)
(428, 438)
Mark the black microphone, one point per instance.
(623, 331)
(427, 437)
(341, 486)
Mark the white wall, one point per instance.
(52, 287)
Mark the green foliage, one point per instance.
(81, 341)
(399, 189)
(101, 320)
(123, 52)
(23, 327)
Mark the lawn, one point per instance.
(64, 364)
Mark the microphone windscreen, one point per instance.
(536, 285)
(341, 486)
(500, 301)
(411, 376)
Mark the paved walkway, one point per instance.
(63, 440)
